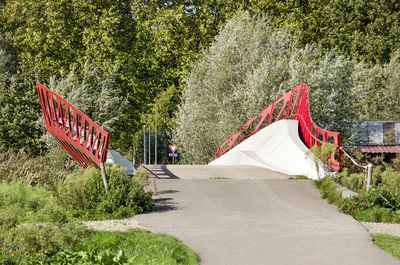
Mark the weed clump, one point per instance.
(380, 204)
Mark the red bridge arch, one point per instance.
(296, 106)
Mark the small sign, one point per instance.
(173, 155)
(173, 148)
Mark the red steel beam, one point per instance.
(83, 139)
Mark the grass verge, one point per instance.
(388, 243)
(298, 177)
(366, 206)
(140, 247)
(135, 246)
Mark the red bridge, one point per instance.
(293, 105)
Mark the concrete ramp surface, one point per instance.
(277, 147)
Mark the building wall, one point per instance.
(372, 132)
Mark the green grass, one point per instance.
(144, 246)
(298, 177)
(22, 203)
(388, 243)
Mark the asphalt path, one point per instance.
(247, 215)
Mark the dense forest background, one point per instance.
(114, 59)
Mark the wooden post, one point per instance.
(104, 175)
(369, 176)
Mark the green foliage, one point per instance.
(18, 105)
(370, 207)
(354, 182)
(94, 91)
(388, 243)
(379, 204)
(93, 257)
(378, 90)
(141, 247)
(155, 49)
(391, 180)
(367, 31)
(328, 190)
(247, 68)
(50, 238)
(26, 203)
(46, 170)
(376, 214)
(84, 195)
(46, 238)
(103, 247)
(322, 154)
(82, 190)
(396, 163)
(141, 177)
(48, 230)
(298, 177)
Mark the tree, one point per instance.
(19, 104)
(94, 91)
(248, 67)
(378, 90)
(51, 35)
(368, 31)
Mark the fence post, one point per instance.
(369, 176)
(104, 175)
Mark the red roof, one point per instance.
(380, 148)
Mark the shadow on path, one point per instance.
(161, 172)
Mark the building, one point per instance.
(376, 137)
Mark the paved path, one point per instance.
(244, 215)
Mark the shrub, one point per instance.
(371, 207)
(328, 189)
(51, 231)
(45, 238)
(83, 194)
(376, 175)
(391, 180)
(396, 163)
(46, 170)
(27, 203)
(366, 206)
(376, 214)
(141, 177)
(355, 181)
(81, 190)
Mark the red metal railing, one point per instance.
(295, 105)
(82, 138)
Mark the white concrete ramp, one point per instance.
(277, 147)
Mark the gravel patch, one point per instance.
(382, 228)
(113, 225)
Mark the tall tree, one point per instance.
(247, 68)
